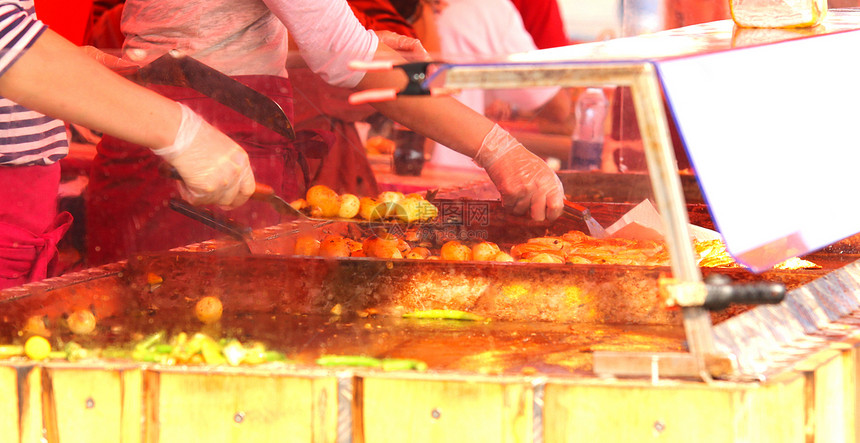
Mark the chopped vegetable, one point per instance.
(348, 360)
(403, 364)
(387, 364)
(444, 314)
(7, 351)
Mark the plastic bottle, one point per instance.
(408, 158)
(586, 148)
(778, 13)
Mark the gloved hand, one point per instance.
(525, 181)
(214, 169)
(401, 43)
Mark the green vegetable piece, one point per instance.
(272, 356)
(212, 353)
(76, 352)
(444, 314)
(151, 340)
(8, 351)
(163, 348)
(144, 355)
(57, 355)
(403, 364)
(116, 353)
(348, 360)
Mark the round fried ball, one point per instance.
(82, 322)
(306, 245)
(334, 245)
(454, 250)
(378, 247)
(349, 206)
(484, 251)
(418, 253)
(503, 256)
(208, 309)
(35, 325)
(324, 198)
(366, 207)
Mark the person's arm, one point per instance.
(526, 183)
(58, 79)
(330, 37)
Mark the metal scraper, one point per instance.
(580, 212)
(178, 69)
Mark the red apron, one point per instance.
(126, 200)
(30, 227)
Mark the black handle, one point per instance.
(721, 293)
(208, 218)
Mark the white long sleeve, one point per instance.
(249, 37)
(329, 36)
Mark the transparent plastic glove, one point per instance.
(214, 169)
(401, 43)
(525, 181)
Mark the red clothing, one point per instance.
(542, 19)
(322, 107)
(380, 15)
(30, 227)
(126, 201)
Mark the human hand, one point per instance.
(525, 181)
(401, 43)
(111, 62)
(214, 169)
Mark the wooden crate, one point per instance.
(814, 402)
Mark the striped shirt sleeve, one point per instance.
(26, 137)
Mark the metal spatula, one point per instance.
(580, 212)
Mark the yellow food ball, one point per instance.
(82, 322)
(325, 198)
(208, 309)
(37, 347)
(378, 247)
(484, 251)
(454, 250)
(35, 325)
(349, 206)
(366, 207)
(418, 253)
(391, 196)
(334, 246)
(503, 256)
(306, 245)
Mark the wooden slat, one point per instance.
(131, 383)
(675, 412)
(324, 405)
(9, 405)
(831, 400)
(400, 410)
(30, 391)
(205, 407)
(87, 404)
